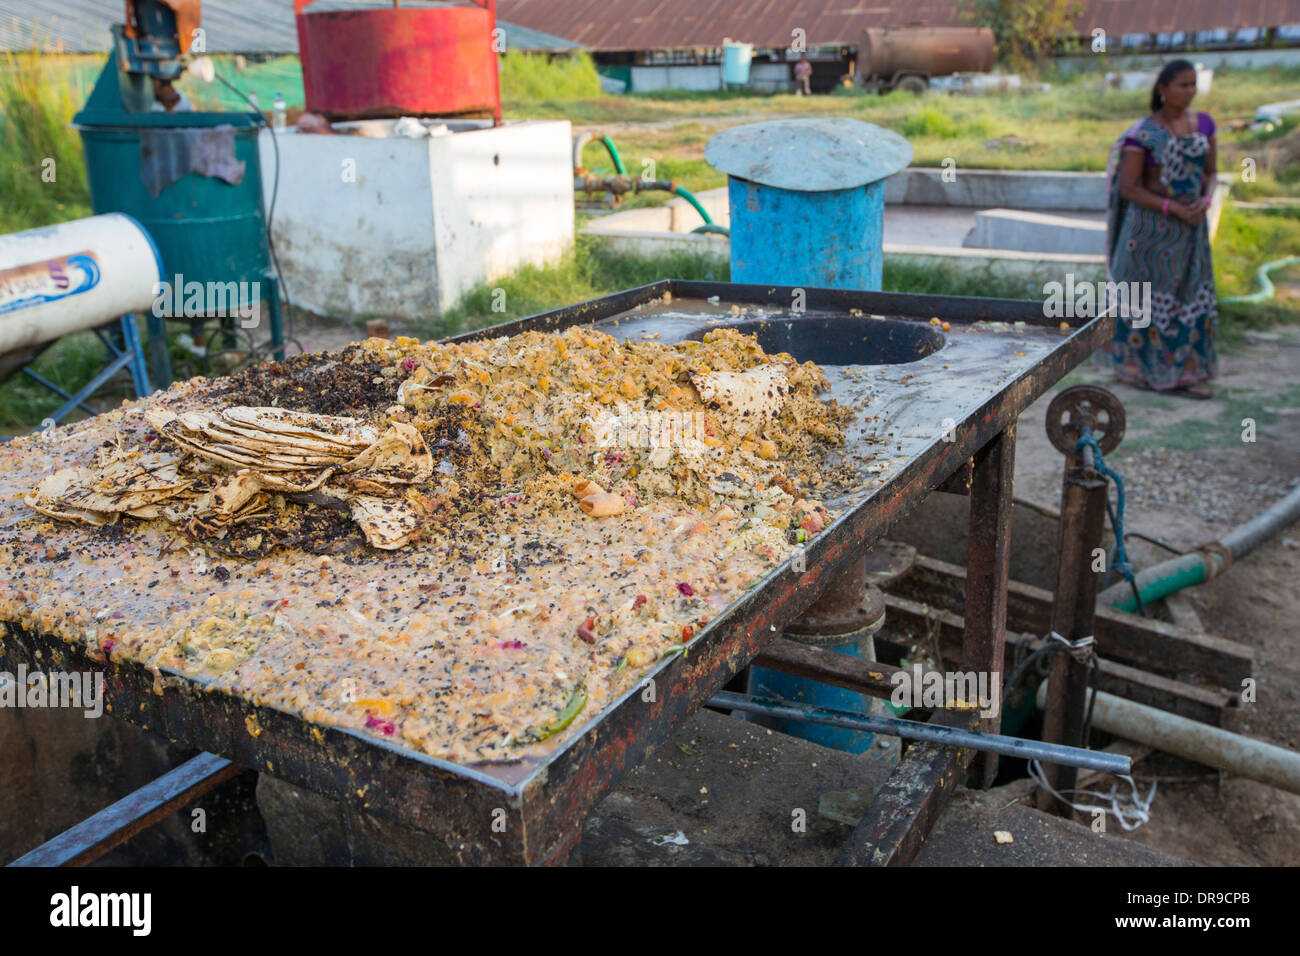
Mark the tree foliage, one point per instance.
(1027, 31)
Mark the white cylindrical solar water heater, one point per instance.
(76, 275)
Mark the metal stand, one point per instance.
(129, 354)
(891, 832)
(160, 360)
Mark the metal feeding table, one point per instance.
(935, 407)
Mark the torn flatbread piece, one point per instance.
(47, 498)
(746, 401)
(338, 429)
(388, 523)
(400, 455)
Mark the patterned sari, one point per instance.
(1143, 245)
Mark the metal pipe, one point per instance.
(914, 730)
(579, 143)
(1245, 538)
(582, 139)
(1197, 567)
(1212, 746)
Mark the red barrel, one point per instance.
(400, 61)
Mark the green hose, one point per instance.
(1266, 286)
(690, 198)
(712, 228)
(680, 190)
(613, 154)
(1172, 576)
(1195, 567)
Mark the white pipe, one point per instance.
(1212, 746)
(73, 276)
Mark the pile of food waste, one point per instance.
(463, 547)
(538, 413)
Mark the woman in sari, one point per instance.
(1162, 177)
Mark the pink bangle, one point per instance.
(1164, 208)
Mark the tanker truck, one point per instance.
(905, 58)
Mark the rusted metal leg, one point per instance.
(1098, 414)
(891, 832)
(905, 808)
(988, 562)
(1083, 516)
(93, 837)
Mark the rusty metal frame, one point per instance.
(526, 812)
(93, 837)
(906, 807)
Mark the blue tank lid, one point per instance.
(809, 155)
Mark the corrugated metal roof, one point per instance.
(522, 38)
(82, 26)
(232, 26)
(683, 24)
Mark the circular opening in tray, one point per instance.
(840, 339)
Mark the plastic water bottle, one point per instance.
(278, 108)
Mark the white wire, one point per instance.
(1080, 650)
(1130, 810)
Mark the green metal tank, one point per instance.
(207, 230)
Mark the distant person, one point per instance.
(168, 99)
(803, 77)
(1162, 177)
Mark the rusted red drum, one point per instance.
(399, 61)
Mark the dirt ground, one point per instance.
(1190, 477)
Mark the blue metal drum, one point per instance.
(808, 200)
(804, 690)
(826, 239)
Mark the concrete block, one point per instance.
(369, 226)
(1027, 231)
(1004, 188)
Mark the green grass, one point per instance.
(950, 280)
(69, 363)
(42, 171)
(1233, 406)
(1069, 127)
(528, 78)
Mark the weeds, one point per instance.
(42, 172)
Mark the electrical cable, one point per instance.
(1158, 543)
(289, 335)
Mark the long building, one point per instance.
(651, 44)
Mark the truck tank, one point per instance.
(929, 51)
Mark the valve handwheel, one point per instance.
(1090, 406)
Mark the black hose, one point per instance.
(270, 212)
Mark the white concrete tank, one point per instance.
(73, 276)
